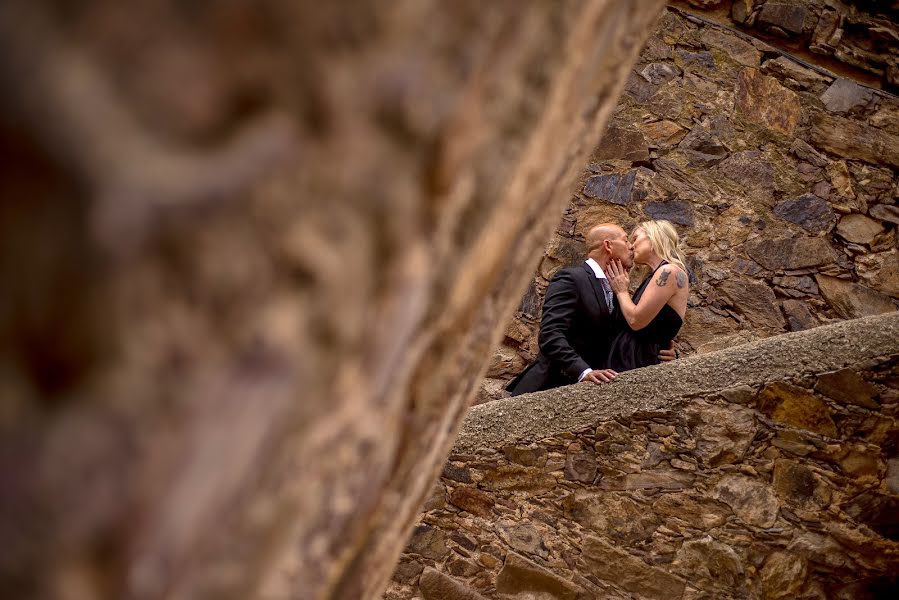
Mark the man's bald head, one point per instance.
(607, 241)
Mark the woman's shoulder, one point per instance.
(675, 274)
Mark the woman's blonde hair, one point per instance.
(665, 241)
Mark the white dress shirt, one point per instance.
(600, 274)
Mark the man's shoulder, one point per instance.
(577, 270)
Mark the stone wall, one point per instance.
(780, 176)
(770, 470)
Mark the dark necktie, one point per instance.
(607, 291)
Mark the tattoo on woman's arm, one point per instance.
(681, 279)
(663, 278)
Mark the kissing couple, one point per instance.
(592, 328)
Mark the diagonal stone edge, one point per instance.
(536, 416)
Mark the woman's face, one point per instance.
(642, 247)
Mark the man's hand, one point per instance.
(600, 376)
(669, 353)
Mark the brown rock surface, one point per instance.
(762, 100)
(852, 300)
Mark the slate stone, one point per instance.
(617, 189)
(852, 139)
(531, 301)
(799, 317)
(698, 511)
(753, 501)
(762, 100)
(529, 457)
(622, 144)
(802, 283)
(878, 511)
(783, 575)
(847, 386)
(629, 572)
(428, 542)
(723, 435)
(580, 464)
(735, 48)
(521, 576)
(843, 95)
(751, 170)
(696, 61)
(471, 499)
(675, 211)
(792, 253)
(614, 514)
(522, 537)
(795, 484)
(754, 300)
(798, 407)
(851, 300)
(435, 585)
(709, 563)
(859, 229)
(788, 16)
(454, 473)
(808, 211)
(885, 212)
(805, 152)
(662, 134)
(659, 73)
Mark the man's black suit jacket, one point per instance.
(576, 332)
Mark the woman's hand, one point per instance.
(619, 280)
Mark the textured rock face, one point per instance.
(764, 471)
(776, 173)
(261, 251)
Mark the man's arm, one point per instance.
(559, 308)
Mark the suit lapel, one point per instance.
(597, 289)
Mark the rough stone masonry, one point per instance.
(769, 470)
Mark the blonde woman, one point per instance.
(656, 311)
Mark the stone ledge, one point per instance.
(536, 416)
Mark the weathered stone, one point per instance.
(798, 407)
(798, 315)
(787, 68)
(878, 511)
(751, 500)
(851, 300)
(762, 100)
(659, 73)
(752, 171)
(709, 563)
(805, 152)
(629, 572)
(514, 477)
(887, 277)
(795, 483)
(618, 189)
(407, 571)
(672, 210)
(859, 463)
(854, 140)
(521, 576)
(803, 284)
(809, 211)
(428, 542)
(722, 434)
(754, 300)
(612, 514)
(622, 144)
(741, 394)
(783, 575)
(701, 513)
(525, 455)
(461, 567)
(522, 537)
(847, 386)
(782, 254)
(456, 473)
(885, 212)
(662, 134)
(843, 95)
(841, 179)
(661, 479)
(891, 479)
(471, 499)
(858, 229)
(435, 585)
(580, 464)
(702, 62)
(788, 16)
(733, 47)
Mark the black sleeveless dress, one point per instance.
(635, 349)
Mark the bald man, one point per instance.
(580, 318)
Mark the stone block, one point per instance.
(675, 211)
(843, 95)
(659, 73)
(783, 575)
(622, 144)
(613, 514)
(762, 100)
(580, 464)
(521, 576)
(847, 386)
(722, 434)
(858, 229)
(796, 484)
(791, 253)
(472, 499)
(662, 134)
(754, 300)
(709, 563)
(851, 300)
(798, 315)
(525, 455)
(798, 407)
(852, 139)
(750, 499)
(733, 47)
(629, 572)
(435, 585)
(522, 537)
(614, 188)
(697, 511)
(428, 542)
(885, 212)
(788, 16)
(808, 211)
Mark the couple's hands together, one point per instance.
(619, 280)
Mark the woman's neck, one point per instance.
(654, 262)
